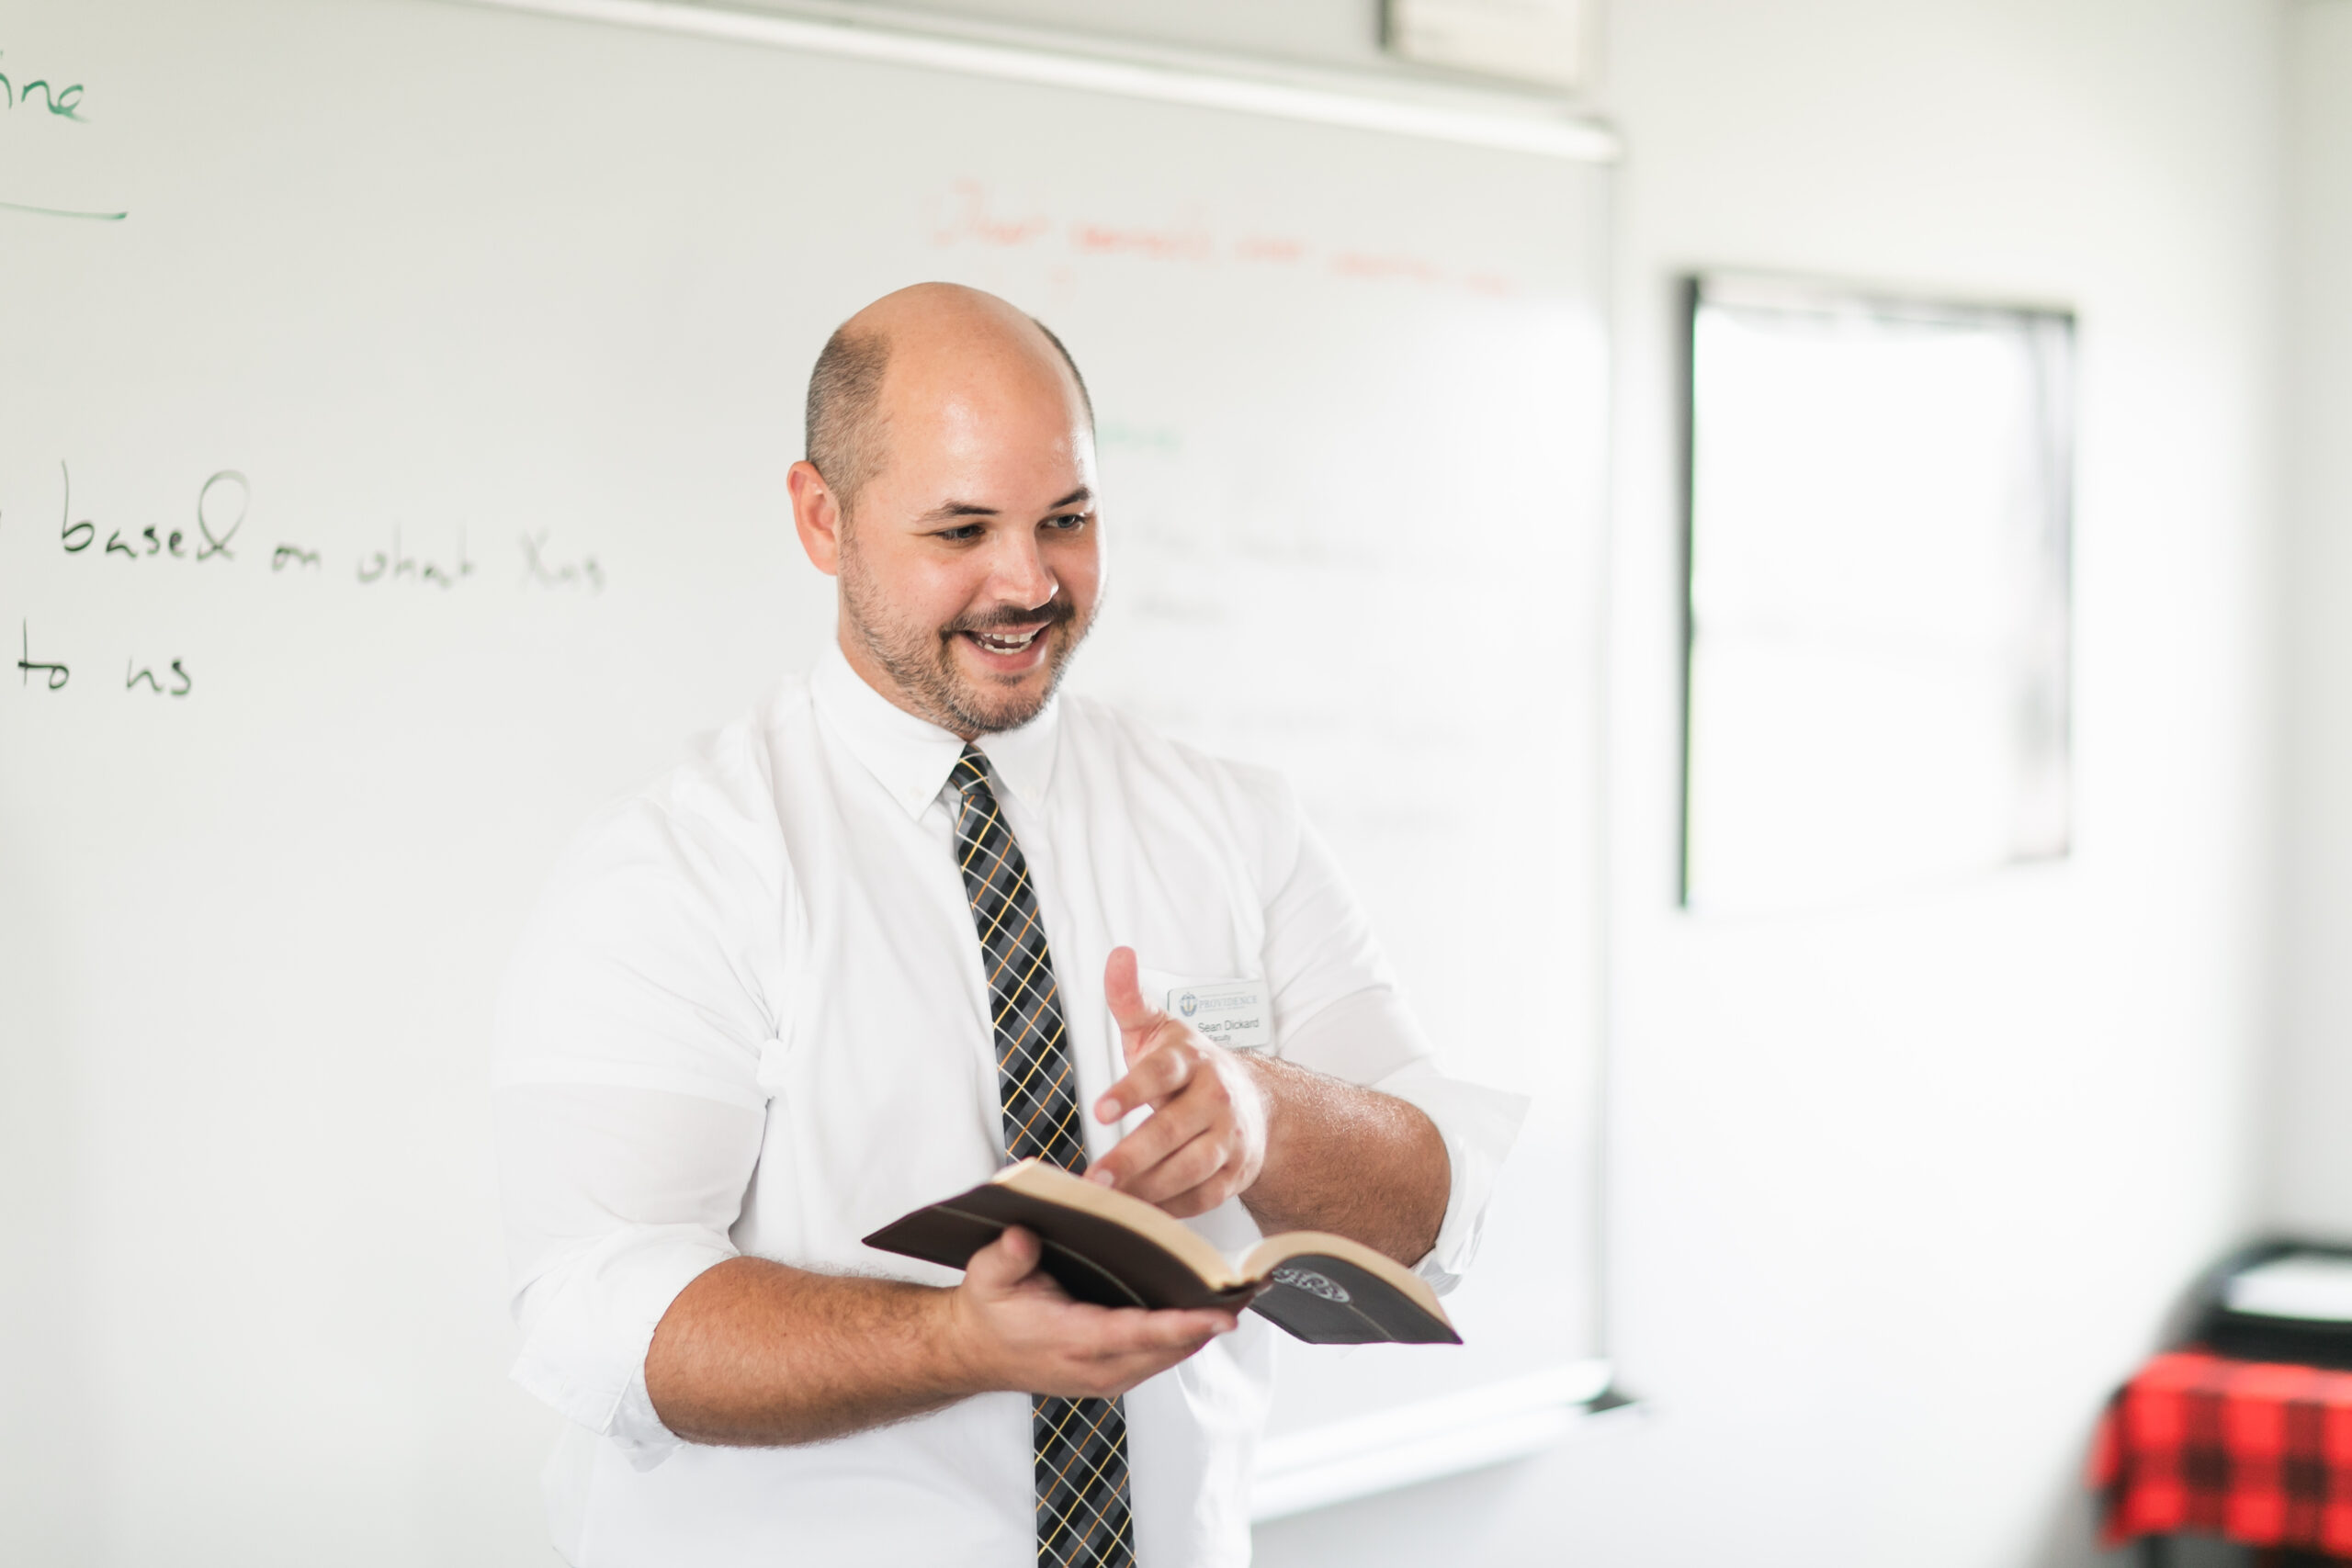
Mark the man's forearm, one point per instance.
(1348, 1159)
(756, 1353)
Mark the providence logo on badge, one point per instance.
(1186, 1003)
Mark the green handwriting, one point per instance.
(61, 102)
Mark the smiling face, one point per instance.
(967, 556)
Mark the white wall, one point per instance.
(2314, 1161)
(1899, 1195)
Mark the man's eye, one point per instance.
(963, 535)
(1069, 523)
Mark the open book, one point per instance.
(1114, 1250)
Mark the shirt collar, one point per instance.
(910, 757)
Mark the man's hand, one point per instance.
(1014, 1328)
(1206, 1141)
(754, 1352)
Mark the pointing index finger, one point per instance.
(1152, 1079)
(1123, 989)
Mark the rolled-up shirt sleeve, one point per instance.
(1338, 1009)
(628, 1112)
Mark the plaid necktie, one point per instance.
(1081, 1445)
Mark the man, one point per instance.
(878, 938)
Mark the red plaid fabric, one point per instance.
(2249, 1450)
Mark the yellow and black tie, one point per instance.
(1081, 1445)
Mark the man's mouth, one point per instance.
(1007, 642)
(1015, 645)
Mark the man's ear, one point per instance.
(816, 516)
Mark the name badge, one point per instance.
(1231, 1014)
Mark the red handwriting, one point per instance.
(1357, 263)
(1270, 248)
(1158, 244)
(965, 215)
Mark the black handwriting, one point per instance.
(132, 675)
(218, 544)
(398, 563)
(74, 537)
(55, 674)
(214, 522)
(537, 569)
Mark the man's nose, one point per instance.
(1019, 572)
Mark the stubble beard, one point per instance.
(922, 663)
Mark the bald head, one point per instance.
(921, 338)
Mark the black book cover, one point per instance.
(1114, 1250)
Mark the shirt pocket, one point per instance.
(1233, 1011)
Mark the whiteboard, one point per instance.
(401, 474)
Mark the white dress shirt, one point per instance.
(749, 1016)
